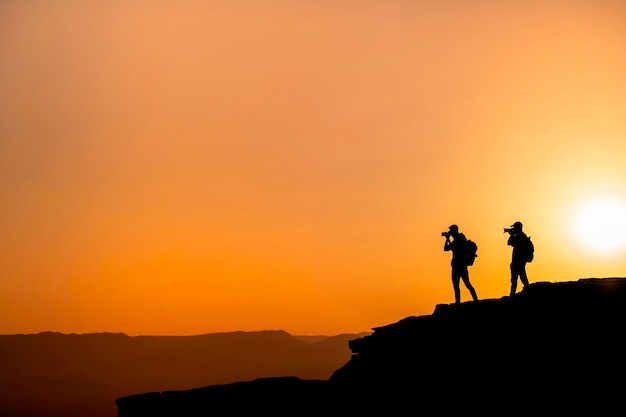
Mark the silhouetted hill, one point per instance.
(53, 374)
(553, 349)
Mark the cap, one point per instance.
(453, 227)
(517, 225)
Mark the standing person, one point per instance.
(522, 253)
(458, 263)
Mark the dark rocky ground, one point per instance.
(553, 349)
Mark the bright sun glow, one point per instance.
(600, 225)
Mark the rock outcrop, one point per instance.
(553, 348)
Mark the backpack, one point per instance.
(469, 252)
(527, 249)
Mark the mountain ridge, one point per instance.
(54, 374)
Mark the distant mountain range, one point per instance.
(553, 349)
(80, 375)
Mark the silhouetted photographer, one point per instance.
(523, 252)
(457, 243)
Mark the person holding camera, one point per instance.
(455, 243)
(520, 256)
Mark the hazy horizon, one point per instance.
(311, 338)
(200, 167)
(67, 375)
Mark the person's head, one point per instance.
(454, 229)
(517, 226)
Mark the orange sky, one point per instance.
(200, 166)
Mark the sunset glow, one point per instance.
(177, 168)
(600, 224)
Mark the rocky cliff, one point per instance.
(553, 348)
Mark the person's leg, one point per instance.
(523, 277)
(456, 286)
(469, 286)
(513, 280)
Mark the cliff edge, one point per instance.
(552, 348)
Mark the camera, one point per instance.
(508, 230)
(445, 234)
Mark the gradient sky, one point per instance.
(188, 167)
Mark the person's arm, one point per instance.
(447, 245)
(511, 241)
